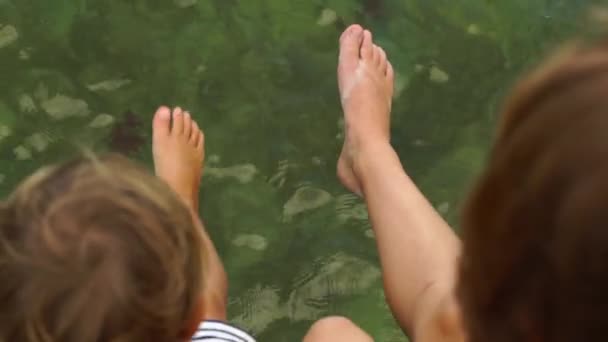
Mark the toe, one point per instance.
(162, 122)
(200, 142)
(195, 133)
(187, 124)
(350, 31)
(377, 56)
(350, 45)
(390, 72)
(178, 121)
(383, 60)
(367, 47)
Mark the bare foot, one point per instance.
(365, 78)
(178, 149)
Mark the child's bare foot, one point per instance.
(178, 149)
(365, 78)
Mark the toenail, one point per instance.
(164, 114)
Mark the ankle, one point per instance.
(362, 138)
(368, 154)
(185, 196)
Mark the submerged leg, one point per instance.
(418, 250)
(336, 329)
(178, 148)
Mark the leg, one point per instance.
(336, 329)
(178, 148)
(418, 250)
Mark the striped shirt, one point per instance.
(217, 331)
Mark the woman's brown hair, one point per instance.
(97, 250)
(535, 255)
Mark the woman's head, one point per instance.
(97, 249)
(535, 257)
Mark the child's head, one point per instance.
(535, 257)
(97, 249)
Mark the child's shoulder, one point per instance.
(221, 331)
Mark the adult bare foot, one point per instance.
(178, 149)
(365, 79)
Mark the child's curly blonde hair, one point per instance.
(97, 250)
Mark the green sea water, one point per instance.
(259, 76)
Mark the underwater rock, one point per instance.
(5, 132)
(356, 212)
(24, 54)
(253, 241)
(339, 275)
(340, 134)
(8, 35)
(443, 208)
(401, 82)
(306, 199)
(370, 234)
(279, 178)
(38, 141)
(473, 29)
(27, 104)
(22, 153)
(350, 207)
(200, 69)
(102, 120)
(184, 3)
(420, 143)
(214, 159)
(242, 173)
(259, 307)
(328, 17)
(108, 85)
(62, 107)
(438, 76)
